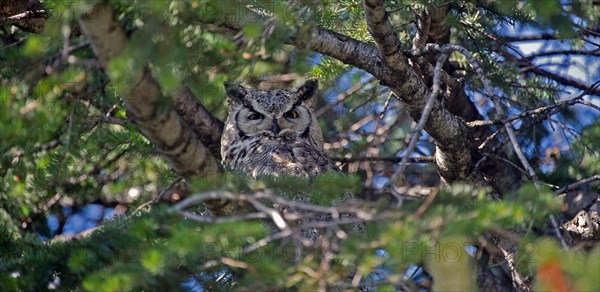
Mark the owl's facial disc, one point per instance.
(257, 122)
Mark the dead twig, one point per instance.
(416, 131)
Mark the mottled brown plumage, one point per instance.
(273, 132)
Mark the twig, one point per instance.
(157, 198)
(545, 110)
(384, 159)
(581, 101)
(214, 195)
(275, 216)
(578, 184)
(595, 52)
(226, 261)
(386, 106)
(427, 202)
(523, 60)
(266, 240)
(424, 116)
(217, 220)
(341, 97)
(556, 228)
(507, 125)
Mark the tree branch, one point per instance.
(435, 90)
(206, 126)
(454, 157)
(381, 29)
(28, 15)
(577, 184)
(164, 128)
(529, 67)
(547, 36)
(419, 159)
(546, 111)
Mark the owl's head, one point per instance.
(281, 113)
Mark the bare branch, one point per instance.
(341, 97)
(435, 90)
(525, 38)
(578, 184)
(545, 73)
(564, 53)
(547, 36)
(545, 111)
(384, 159)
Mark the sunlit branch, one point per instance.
(578, 184)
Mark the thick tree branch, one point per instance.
(453, 158)
(206, 126)
(164, 127)
(381, 29)
(450, 133)
(426, 111)
(422, 34)
(445, 128)
(497, 174)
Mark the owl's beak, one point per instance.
(275, 127)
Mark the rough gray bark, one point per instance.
(496, 172)
(163, 127)
(453, 157)
(206, 126)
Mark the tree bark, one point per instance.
(206, 126)
(29, 15)
(162, 126)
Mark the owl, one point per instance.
(273, 132)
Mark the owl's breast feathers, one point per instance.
(268, 156)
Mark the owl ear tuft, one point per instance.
(236, 92)
(308, 89)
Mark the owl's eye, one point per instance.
(293, 114)
(255, 116)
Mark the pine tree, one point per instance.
(467, 130)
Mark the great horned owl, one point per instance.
(273, 132)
